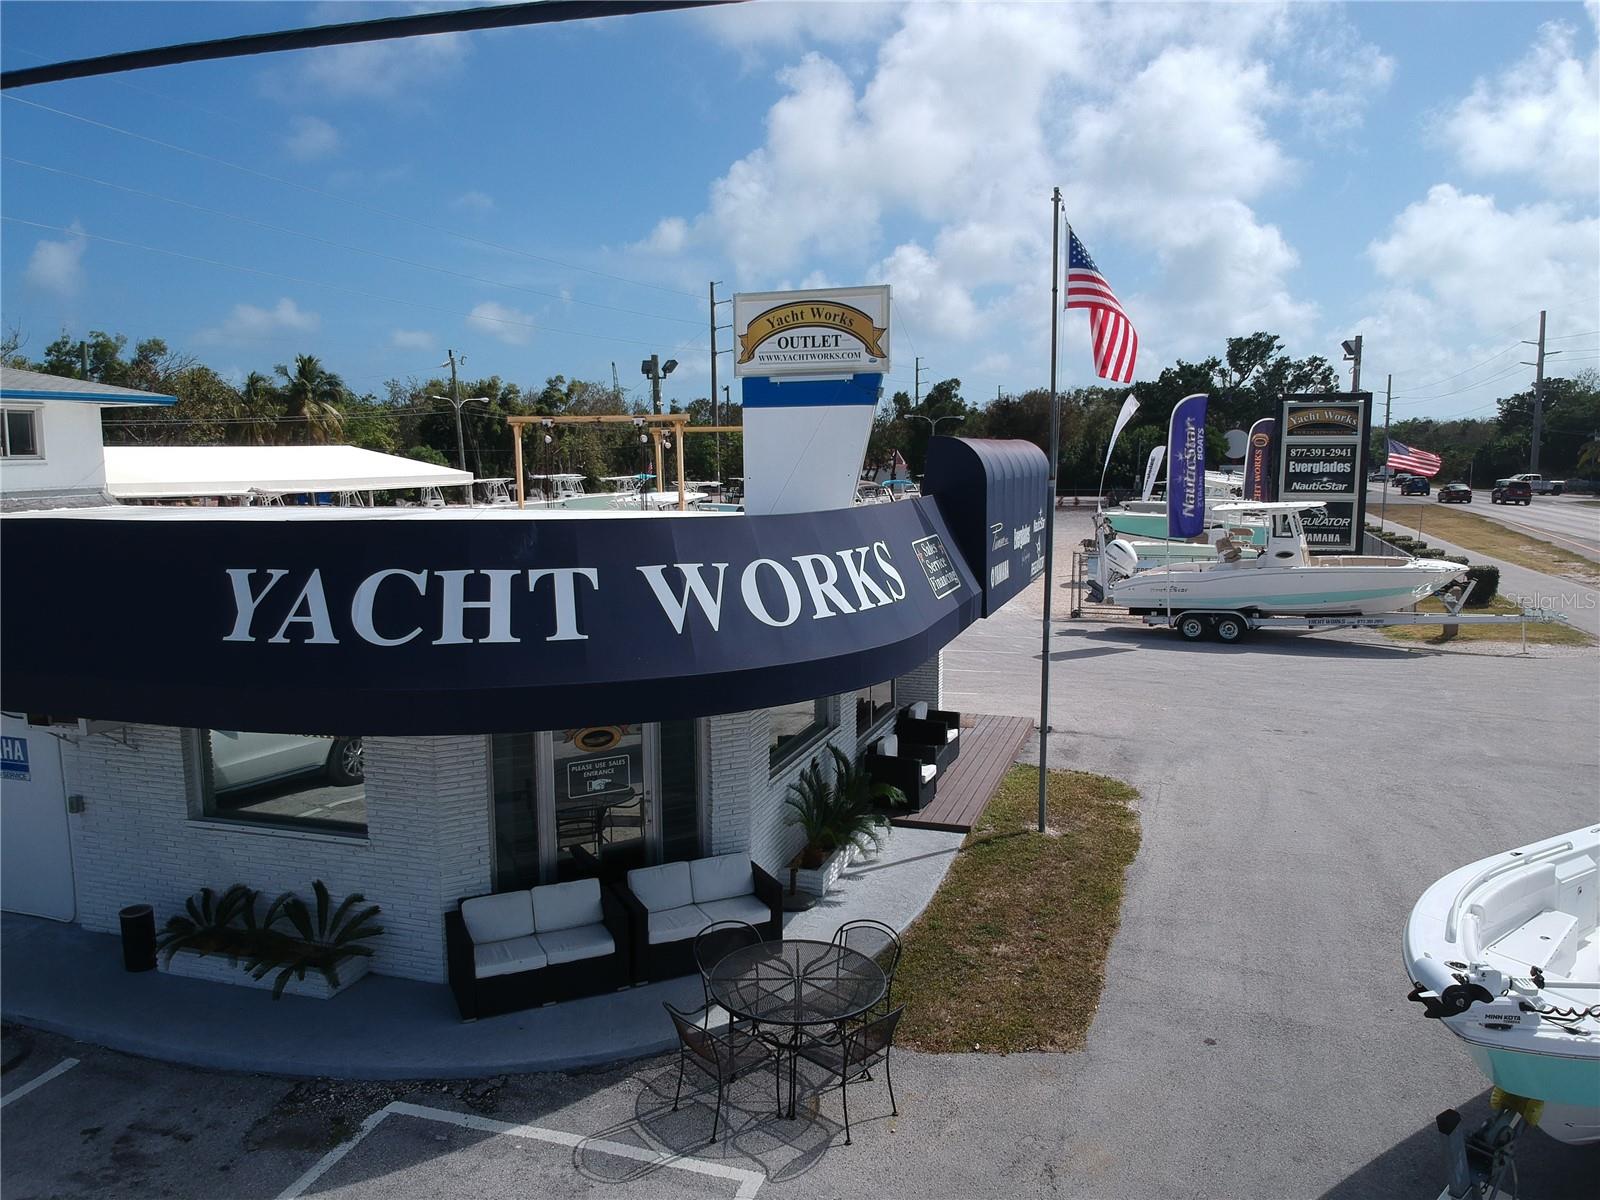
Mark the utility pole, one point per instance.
(1352, 354)
(455, 402)
(1388, 396)
(83, 351)
(1538, 392)
(916, 400)
(713, 319)
(727, 403)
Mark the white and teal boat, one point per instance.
(1504, 952)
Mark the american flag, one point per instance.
(1116, 342)
(1418, 462)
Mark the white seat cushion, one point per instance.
(498, 918)
(567, 905)
(928, 771)
(750, 909)
(919, 711)
(507, 957)
(721, 877)
(582, 941)
(675, 924)
(889, 745)
(951, 735)
(663, 887)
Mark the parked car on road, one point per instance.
(1455, 493)
(1414, 485)
(241, 760)
(1511, 491)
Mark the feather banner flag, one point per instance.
(1186, 467)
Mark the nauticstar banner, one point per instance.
(392, 623)
(1186, 468)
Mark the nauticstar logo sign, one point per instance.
(812, 332)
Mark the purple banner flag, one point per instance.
(1259, 475)
(1186, 468)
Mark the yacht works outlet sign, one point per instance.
(394, 624)
(843, 331)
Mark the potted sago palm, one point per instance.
(839, 818)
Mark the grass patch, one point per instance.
(1543, 634)
(1010, 955)
(1482, 536)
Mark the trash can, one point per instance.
(138, 937)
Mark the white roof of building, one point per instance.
(157, 472)
(17, 384)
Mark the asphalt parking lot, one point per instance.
(1298, 793)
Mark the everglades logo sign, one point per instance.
(844, 330)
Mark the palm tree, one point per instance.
(311, 396)
(256, 411)
(1589, 453)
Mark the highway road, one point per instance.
(1571, 522)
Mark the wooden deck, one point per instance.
(989, 745)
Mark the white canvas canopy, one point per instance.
(170, 472)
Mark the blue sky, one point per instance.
(1423, 174)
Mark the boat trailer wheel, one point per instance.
(1230, 628)
(1192, 627)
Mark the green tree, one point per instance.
(311, 398)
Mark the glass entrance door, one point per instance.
(603, 797)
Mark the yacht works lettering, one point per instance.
(397, 606)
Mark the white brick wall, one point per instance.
(748, 813)
(924, 683)
(427, 843)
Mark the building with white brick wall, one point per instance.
(423, 706)
(140, 834)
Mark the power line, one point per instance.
(336, 287)
(315, 37)
(315, 191)
(312, 237)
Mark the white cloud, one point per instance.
(412, 339)
(1540, 117)
(311, 138)
(509, 325)
(474, 201)
(1159, 118)
(1472, 259)
(784, 24)
(57, 266)
(669, 237)
(249, 323)
(403, 67)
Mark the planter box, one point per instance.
(817, 882)
(215, 968)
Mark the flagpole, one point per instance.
(1383, 507)
(1052, 451)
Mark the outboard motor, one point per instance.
(1118, 561)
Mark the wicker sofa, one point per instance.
(669, 904)
(934, 727)
(520, 949)
(908, 765)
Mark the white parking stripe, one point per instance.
(748, 1182)
(61, 1068)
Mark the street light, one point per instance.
(655, 370)
(933, 422)
(455, 403)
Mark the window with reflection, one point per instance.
(795, 728)
(874, 705)
(297, 781)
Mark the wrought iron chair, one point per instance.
(714, 943)
(854, 1056)
(878, 942)
(724, 1057)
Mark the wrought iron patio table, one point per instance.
(794, 986)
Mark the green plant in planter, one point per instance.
(212, 924)
(320, 942)
(838, 813)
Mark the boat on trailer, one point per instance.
(1505, 953)
(1283, 579)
